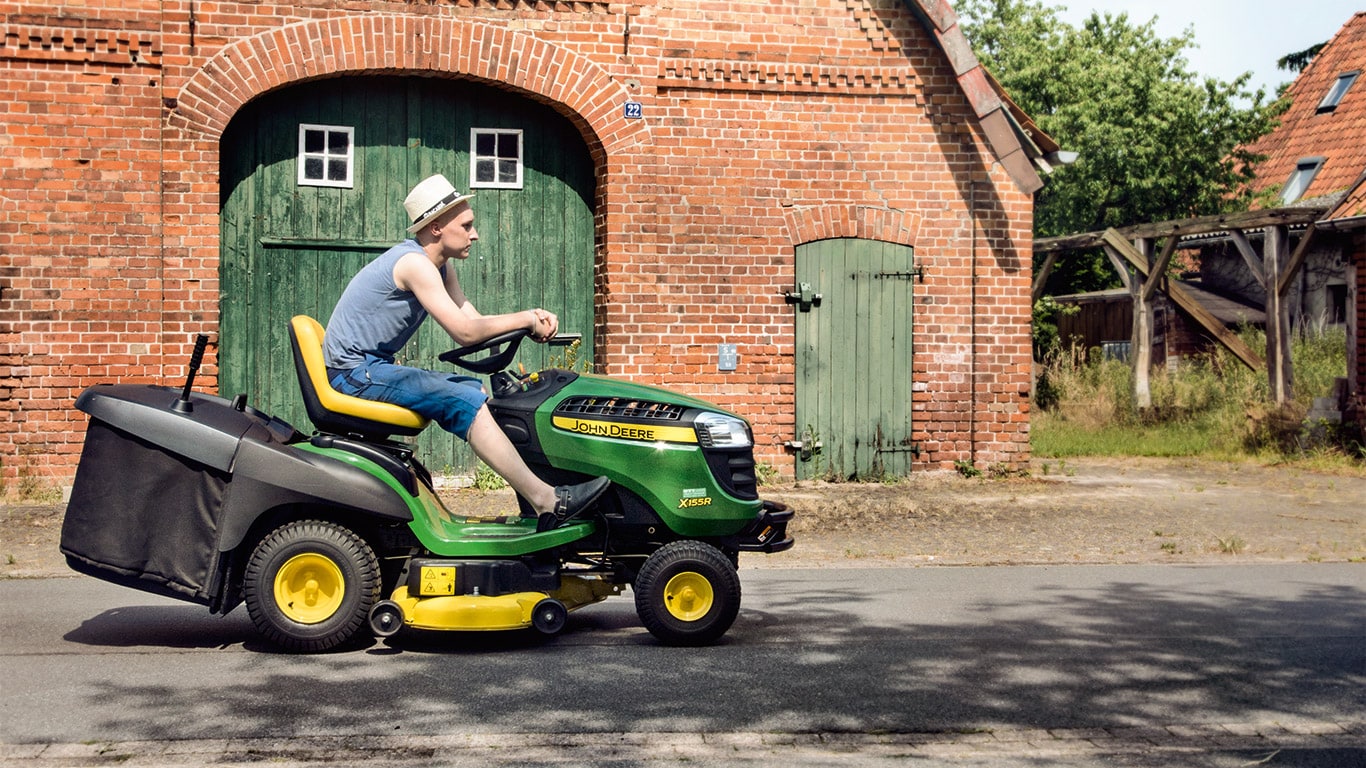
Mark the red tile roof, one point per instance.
(1338, 136)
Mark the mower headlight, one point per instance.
(718, 430)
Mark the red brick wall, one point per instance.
(766, 125)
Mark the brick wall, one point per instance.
(766, 126)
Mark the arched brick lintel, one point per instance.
(379, 43)
(808, 224)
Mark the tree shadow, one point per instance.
(804, 660)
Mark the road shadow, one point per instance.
(1122, 654)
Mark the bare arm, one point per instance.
(446, 302)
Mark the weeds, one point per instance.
(1210, 405)
(485, 479)
(1231, 545)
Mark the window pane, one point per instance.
(336, 170)
(313, 168)
(483, 171)
(313, 141)
(507, 171)
(484, 144)
(507, 145)
(337, 142)
(1337, 91)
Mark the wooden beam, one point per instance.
(1118, 262)
(1201, 225)
(1159, 270)
(1141, 337)
(1280, 375)
(1250, 257)
(1184, 300)
(1296, 261)
(1036, 292)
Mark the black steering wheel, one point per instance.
(494, 362)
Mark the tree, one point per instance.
(1155, 142)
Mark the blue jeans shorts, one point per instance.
(450, 400)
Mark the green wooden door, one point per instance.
(288, 248)
(853, 351)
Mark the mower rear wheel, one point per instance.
(687, 593)
(310, 584)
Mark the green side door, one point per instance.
(290, 245)
(853, 391)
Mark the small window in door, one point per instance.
(495, 158)
(326, 155)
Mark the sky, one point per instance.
(1234, 36)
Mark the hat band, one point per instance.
(447, 200)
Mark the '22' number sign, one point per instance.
(633, 110)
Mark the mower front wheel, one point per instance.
(310, 584)
(687, 593)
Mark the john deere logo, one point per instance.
(647, 433)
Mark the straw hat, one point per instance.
(431, 197)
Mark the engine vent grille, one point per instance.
(620, 407)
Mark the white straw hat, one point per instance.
(431, 197)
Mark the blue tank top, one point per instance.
(374, 316)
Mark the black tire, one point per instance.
(687, 593)
(549, 616)
(310, 585)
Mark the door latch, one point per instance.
(804, 297)
(804, 449)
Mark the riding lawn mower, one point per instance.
(335, 536)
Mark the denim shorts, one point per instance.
(450, 400)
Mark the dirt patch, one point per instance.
(1083, 511)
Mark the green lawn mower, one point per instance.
(331, 537)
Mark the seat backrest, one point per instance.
(330, 410)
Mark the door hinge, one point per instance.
(804, 297)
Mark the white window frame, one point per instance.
(1337, 91)
(327, 156)
(1300, 179)
(476, 159)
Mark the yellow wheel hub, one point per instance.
(688, 596)
(309, 588)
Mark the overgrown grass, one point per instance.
(1212, 406)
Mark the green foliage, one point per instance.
(485, 479)
(570, 361)
(1297, 61)
(1047, 343)
(1208, 406)
(1155, 142)
(965, 468)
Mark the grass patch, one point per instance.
(1210, 406)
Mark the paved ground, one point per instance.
(1084, 511)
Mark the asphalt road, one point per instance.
(815, 651)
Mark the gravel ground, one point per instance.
(1074, 511)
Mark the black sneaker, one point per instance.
(570, 500)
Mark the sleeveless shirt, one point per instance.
(374, 316)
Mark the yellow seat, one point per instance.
(332, 411)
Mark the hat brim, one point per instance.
(436, 213)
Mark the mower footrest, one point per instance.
(768, 533)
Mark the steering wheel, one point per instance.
(494, 362)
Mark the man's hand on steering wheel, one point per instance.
(546, 325)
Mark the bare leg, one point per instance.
(494, 448)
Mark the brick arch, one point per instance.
(806, 224)
(374, 43)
